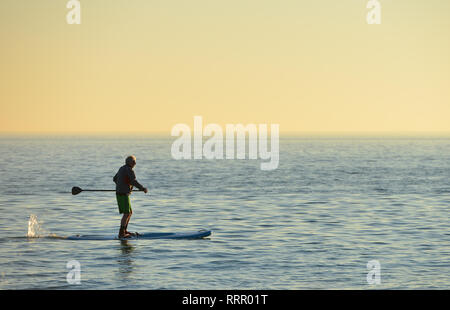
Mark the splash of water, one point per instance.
(34, 228)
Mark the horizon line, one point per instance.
(282, 133)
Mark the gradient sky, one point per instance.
(146, 65)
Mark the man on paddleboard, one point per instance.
(125, 179)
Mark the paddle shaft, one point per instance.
(76, 190)
(106, 190)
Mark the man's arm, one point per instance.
(133, 180)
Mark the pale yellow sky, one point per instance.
(144, 66)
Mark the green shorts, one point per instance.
(123, 201)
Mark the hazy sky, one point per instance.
(146, 65)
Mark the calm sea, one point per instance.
(333, 205)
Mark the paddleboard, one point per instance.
(162, 235)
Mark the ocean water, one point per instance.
(333, 205)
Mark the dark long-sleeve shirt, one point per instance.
(125, 179)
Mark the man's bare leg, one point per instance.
(126, 225)
(123, 226)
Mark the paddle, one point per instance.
(76, 190)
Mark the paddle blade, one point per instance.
(76, 190)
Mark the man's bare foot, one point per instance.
(125, 235)
(134, 234)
